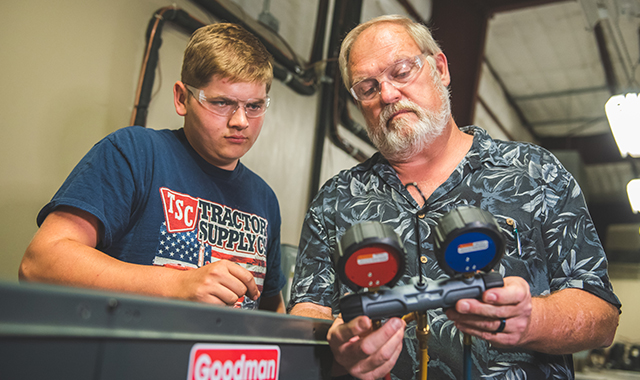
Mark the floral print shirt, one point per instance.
(556, 245)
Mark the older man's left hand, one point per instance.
(502, 317)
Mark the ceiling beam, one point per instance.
(460, 26)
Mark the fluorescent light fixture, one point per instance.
(633, 192)
(623, 112)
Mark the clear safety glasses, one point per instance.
(226, 105)
(399, 75)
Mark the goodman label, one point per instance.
(233, 362)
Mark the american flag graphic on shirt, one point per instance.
(197, 232)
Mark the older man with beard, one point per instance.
(556, 299)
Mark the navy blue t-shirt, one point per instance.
(161, 203)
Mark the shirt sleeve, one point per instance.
(575, 252)
(103, 184)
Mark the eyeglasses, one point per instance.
(399, 75)
(227, 106)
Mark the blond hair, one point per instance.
(226, 50)
(420, 34)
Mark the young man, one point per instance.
(556, 299)
(174, 213)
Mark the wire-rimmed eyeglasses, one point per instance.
(226, 105)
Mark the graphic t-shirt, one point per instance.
(160, 203)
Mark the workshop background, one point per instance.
(534, 70)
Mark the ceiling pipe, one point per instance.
(340, 103)
(189, 24)
(349, 123)
(222, 9)
(150, 60)
(319, 34)
(411, 10)
(341, 97)
(282, 53)
(346, 15)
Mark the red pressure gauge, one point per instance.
(370, 255)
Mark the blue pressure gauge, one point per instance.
(467, 240)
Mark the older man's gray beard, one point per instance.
(401, 139)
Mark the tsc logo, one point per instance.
(180, 210)
(233, 362)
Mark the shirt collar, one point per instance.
(484, 149)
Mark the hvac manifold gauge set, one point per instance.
(370, 260)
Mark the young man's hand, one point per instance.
(219, 283)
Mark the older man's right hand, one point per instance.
(365, 353)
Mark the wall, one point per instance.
(69, 71)
(627, 290)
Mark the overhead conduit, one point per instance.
(346, 15)
(150, 61)
(302, 82)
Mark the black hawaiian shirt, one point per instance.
(555, 247)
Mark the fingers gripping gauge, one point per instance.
(370, 254)
(468, 239)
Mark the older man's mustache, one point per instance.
(391, 110)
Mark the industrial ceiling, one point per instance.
(558, 62)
